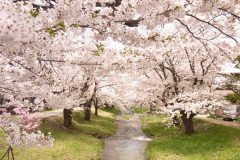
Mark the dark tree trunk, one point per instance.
(87, 110)
(176, 90)
(96, 106)
(107, 106)
(195, 81)
(67, 116)
(96, 110)
(188, 122)
(164, 101)
(87, 114)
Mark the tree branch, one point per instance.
(130, 22)
(233, 14)
(188, 29)
(63, 61)
(203, 21)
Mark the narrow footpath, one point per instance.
(232, 124)
(128, 143)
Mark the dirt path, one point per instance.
(55, 112)
(233, 124)
(128, 143)
(46, 114)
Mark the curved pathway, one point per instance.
(128, 143)
(220, 122)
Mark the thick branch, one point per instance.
(160, 76)
(130, 22)
(192, 64)
(210, 64)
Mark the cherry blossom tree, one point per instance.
(189, 104)
(53, 50)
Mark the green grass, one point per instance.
(139, 110)
(211, 116)
(83, 142)
(209, 142)
(233, 98)
(127, 116)
(111, 110)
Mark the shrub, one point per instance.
(233, 98)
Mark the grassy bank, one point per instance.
(114, 111)
(210, 141)
(83, 142)
(139, 110)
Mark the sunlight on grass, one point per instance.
(127, 116)
(210, 141)
(109, 111)
(83, 142)
(3, 143)
(139, 110)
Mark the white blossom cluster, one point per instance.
(128, 52)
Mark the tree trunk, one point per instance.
(96, 106)
(96, 110)
(195, 81)
(176, 89)
(188, 122)
(87, 110)
(67, 115)
(87, 115)
(107, 106)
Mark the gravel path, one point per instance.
(128, 143)
(55, 112)
(233, 124)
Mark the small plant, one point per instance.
(238, 119)
(34, 13)
(233, 98)
(100, 49)
(53, 30)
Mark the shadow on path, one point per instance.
(128, 143)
